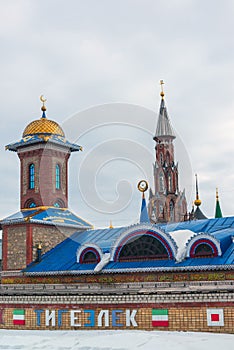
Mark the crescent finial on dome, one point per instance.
(43, 126)
(43, 107)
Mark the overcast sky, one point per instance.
(82, 54)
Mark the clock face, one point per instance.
(142, 186)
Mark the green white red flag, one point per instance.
(160, 318)
(18, 317)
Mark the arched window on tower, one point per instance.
(31, 176)
(59, 203)
(161, 158)
(169, 183)
(161, 182)
(160, 208)
(168, 158)
(172, 211)
(30, 203)
(57, 177)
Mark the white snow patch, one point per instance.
(104, 261)
(181, 237)
(112, 340)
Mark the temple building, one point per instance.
(61, 273)
(166, 203)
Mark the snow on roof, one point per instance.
(181, 237)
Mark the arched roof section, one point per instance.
(88, 247)
(140, 230)
(203, 238)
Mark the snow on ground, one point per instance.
(113, 340)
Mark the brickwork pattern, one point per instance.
(45, 160)
(182, 317)
(49, 237)
(16, 247)
(20, 250)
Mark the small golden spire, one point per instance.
(43, 100)
(111, 226)
(39, 246)
(162, 92)
(197, 201)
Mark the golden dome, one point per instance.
(43, 126)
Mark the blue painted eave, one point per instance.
(47, 216)
(37, 138)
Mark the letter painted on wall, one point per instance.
(50, 318)
(116, 318)
(90, 318)
(74, 317)
(103, 316)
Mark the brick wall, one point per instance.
(20, 242)
(185, 312)
(45, 159)
(49, 237)
(16, 247)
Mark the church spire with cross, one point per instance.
(164, 129)
(167, 203)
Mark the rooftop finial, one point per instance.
(43, 107)
(217, 194)
(142, 187)
(218, 211)
(162, 92)
(111, 226)
(197, 201)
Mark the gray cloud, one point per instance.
(80, 54)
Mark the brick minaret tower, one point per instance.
(43, 164)
(44, 219)
(167, 204)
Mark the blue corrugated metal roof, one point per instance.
(209, 225)
(49, 216)
(62, 258)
